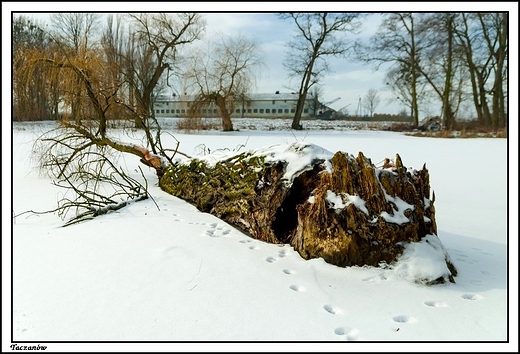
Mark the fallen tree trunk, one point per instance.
(335, 206)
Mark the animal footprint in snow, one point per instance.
(221, 233)
(176, 216)
(436, 304)
(297, 288)
(350, 333)
(246, 241)
(404, 319)
(471, 297)
(217, 231)
(333, 309)
(283, 254)
(254, 247)
(289, 271)
(270, 259)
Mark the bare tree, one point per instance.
(75, 30)
(93, 77)
(101, 76)
(76, 34)
(92, 183)
(318, 37)
(396, 42)
(155, 41)
(371, 101)
(484, 42)
(495, 32)
(222, 75)
(35, 94)
(443, 65)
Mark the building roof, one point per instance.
(251, 96)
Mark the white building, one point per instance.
(259, 105)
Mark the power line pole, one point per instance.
(358, 109)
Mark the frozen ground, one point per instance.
(174, 274)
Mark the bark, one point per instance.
(220, 101)
(345, 210)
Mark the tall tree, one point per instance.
(94, 76)
(441, 64)
(319, 35)
(371, 101)
(222, 75)
(75, 31)
(495, 33)
(76, 34)
(396, 42)
(155, 43)
(33, 97)
(479, 41)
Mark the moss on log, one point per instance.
(343, 208)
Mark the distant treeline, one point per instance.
(378, 117)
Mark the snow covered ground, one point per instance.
(188, 280)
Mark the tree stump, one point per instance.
(335, 206)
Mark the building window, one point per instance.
(178, 111)
(249, 110)
(261, 110)
(306, 110)
(214, 110)
(286, 110)
(157, 111)
(293, 110)
(273, 101)
(255, 110)
(167, 111)
(267, 110)
(280, 110)
(237, 110)
(162, 110)
(182, 111)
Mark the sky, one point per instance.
(160, 270)
(346, 83)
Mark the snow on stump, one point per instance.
(338, 207)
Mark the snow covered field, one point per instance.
(174, 274)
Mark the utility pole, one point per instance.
(358, 109)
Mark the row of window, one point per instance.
(267, 110)
(248, 102)
(249, 110)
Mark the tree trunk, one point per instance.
(447, 112)
(227, 125)
(343, 209)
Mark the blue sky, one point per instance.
(347, 79)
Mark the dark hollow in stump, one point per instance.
(343, 208)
